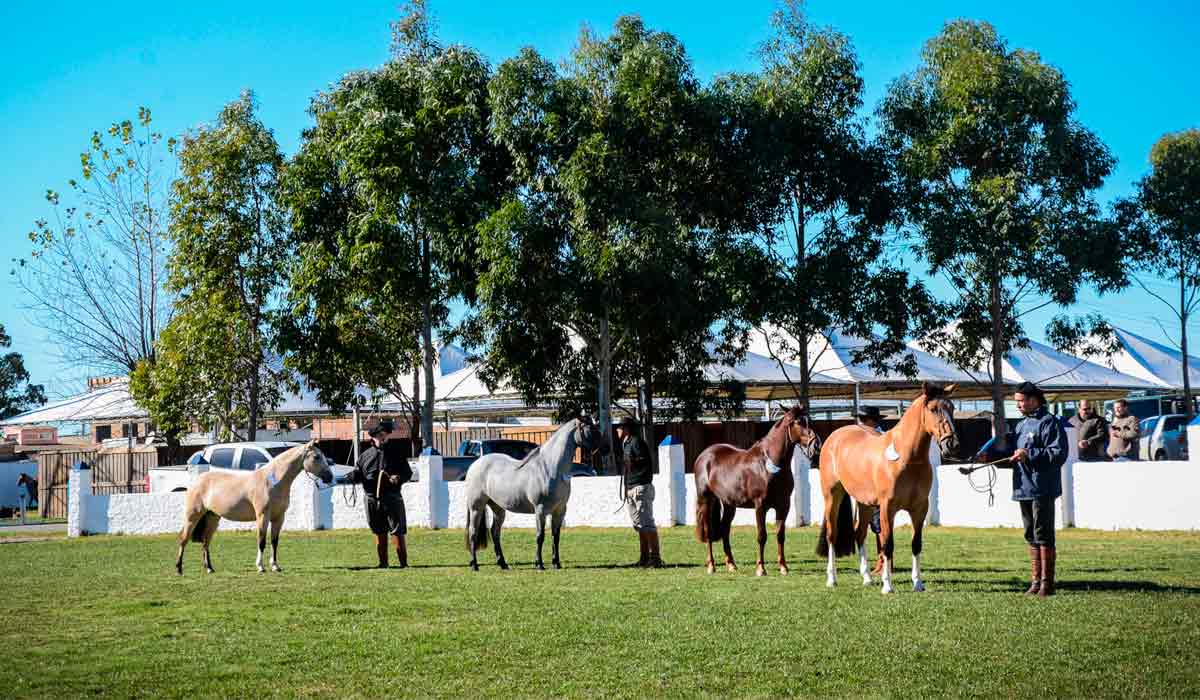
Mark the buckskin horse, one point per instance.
(262, 495)
(890, 472)
(728, 478)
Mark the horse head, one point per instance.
(589, 437)
(316, 463)
(937, 417)
(800, 431)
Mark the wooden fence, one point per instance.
(113, 471)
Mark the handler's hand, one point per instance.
(1083, 444)
(393, 479)
(964, 470)
(979, 458)
(1020, 455)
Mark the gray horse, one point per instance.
(539, 484)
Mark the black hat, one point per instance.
(383, 426)
(628, 423)
(1030, 389)
(869, 412)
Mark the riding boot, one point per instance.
(1035, 566)
(402, 551)
(1049, 555)
(381, 549)
(644, 545)
(656, 561)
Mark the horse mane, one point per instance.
(538, 449)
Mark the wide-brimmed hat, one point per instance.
(1030, 389)
(383, 426)
(869, 412)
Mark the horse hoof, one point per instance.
(866, 580)
(887, 589)
(557, 565)
(262, 570)
(276, 569)
(760, 571)
(783, 571)
(918, 587)
(731, 568)
(712, 568)
(539, 566)
(502, 564)
(475, 566)
(210, 571)
(830, 582)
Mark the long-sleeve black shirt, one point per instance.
(372, 461)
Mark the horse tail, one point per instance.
(202, 526)
(708, 518)
(479, 523)
(844, 545)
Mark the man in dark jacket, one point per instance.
(1036, 450)
(639, 491)
(1091, 432)
(382, 474)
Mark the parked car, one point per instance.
(229, 456)
(455, 468)
(1163, 437)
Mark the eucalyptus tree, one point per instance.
(228, 235)
(1162, 224)
(999, 179)
(385, 194)
(17, 393)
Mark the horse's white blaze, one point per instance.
(863, 568)
(831, 569)
(916, 574)
(887, 575)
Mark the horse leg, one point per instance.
(760, 523)
(556, 522)
(860, 538)
(260, 523)
(539, 516)
(497, 522)
(833, 501)
(887, 517)
(189, 525)
(727, 514)
(210, 528)
(918, 517)
(781, 513)
(705, 502)
(471, 546)
(276, 526)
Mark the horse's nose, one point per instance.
(327, 477)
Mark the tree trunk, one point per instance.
(429, 356)
(805, 371)
(415, 412)
(1183, 344)
(647, 401)
(252, 409)
(604, 392)
(998, 423)
(802, 337)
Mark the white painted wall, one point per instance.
(1103, 495)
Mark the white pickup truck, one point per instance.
(229, 456)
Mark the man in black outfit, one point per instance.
(382, 475)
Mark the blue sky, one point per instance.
(73, 67)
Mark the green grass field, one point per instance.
(107, 616)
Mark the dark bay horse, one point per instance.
(728, 478)
(890, 472)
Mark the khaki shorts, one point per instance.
(639, 503)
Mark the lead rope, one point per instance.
(992, 477)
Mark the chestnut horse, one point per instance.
(890, 472)
(728, 478)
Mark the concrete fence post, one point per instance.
(802, 492)
(1067, 503)
(79, 492)
(435, 489)
(934, 516)
(1193, 441)
(670, 487)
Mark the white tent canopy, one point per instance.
(1060, 375)
(111, 402)
(1153, 362)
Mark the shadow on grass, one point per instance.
(1076, 586)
